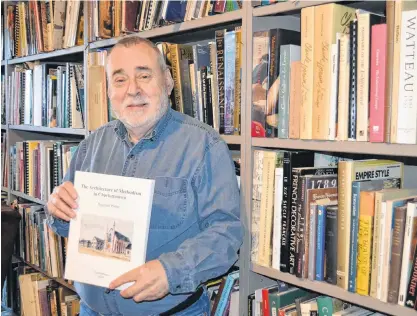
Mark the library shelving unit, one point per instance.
(252, 276)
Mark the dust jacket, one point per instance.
(109, 235)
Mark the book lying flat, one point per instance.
(109, 235)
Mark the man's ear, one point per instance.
(169, 82)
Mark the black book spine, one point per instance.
(352, 90)
(330, 245)
(220, 76)
(285, 209)
(411, 295)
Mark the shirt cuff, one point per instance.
(57, 225)
(178, 273)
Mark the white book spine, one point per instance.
(382, 250)
(408, 238)
(407, 99)
(276, 239)
(334, 88)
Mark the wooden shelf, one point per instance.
(336, 146)
(6, 189)
(56, 53)
(51, 130)
(27, 197)
(59, 280)
(172, 29)
(232, 139)
(335, 291)
(291, 5)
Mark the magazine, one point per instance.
(109, 235)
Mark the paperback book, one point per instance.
(109, 235)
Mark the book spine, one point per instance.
(302, 228)
(331, 245)
(283, 103)
(396, 253)
(286, 213)
(343, 227)
(312, 242)
(410, 300)
(354, 237)
(353, 83)
(366, 219)
(410, 238)
(321, 228)
(238, 84)
(295, 100)
(229, 80)
(294, 220)
(220, 78)
(273, 73)
(378, 83)
(407, 98)
(307, 76)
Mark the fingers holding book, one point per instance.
(62, 201)
(150, 282)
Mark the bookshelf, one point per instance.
(252, 276)
(49, 130)
(339, 146)
(332, 290)
(59, 280)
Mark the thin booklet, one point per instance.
(109, 235)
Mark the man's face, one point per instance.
(138, 87)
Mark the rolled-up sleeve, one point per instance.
(215, 249)
(60, 226)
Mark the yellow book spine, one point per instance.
(366, 220)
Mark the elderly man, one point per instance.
(195, 230)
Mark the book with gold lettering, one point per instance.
(109, 235)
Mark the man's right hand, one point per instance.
(62, 201)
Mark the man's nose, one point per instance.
(134, 88)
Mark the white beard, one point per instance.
(137, 120)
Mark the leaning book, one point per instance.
(109, 235)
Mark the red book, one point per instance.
(377, 80)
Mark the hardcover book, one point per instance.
(109, 235)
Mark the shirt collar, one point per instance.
(152, 134)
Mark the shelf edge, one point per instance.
(334, 291)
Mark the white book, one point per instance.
(109, 235)
(407, 98)
(276, 240)
(334, 75)
(410, 232)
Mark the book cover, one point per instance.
(107, 238)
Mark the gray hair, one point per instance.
(130, 41)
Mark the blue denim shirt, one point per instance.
(195, 228)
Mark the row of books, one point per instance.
(284, 299)
(113, 18)
(32, 293)
(207, 81)
(354, 89)
(351, 225)
(4, 161)
(49, 94)
(3, 100)
(37, 243)
(34, 27)
(223, 294)
(39, 166)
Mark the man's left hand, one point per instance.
(151, 282)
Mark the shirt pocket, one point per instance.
(169, 207)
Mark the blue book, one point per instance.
(321, 230)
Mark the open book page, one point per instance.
(109, 235)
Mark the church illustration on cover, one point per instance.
(114, 244)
